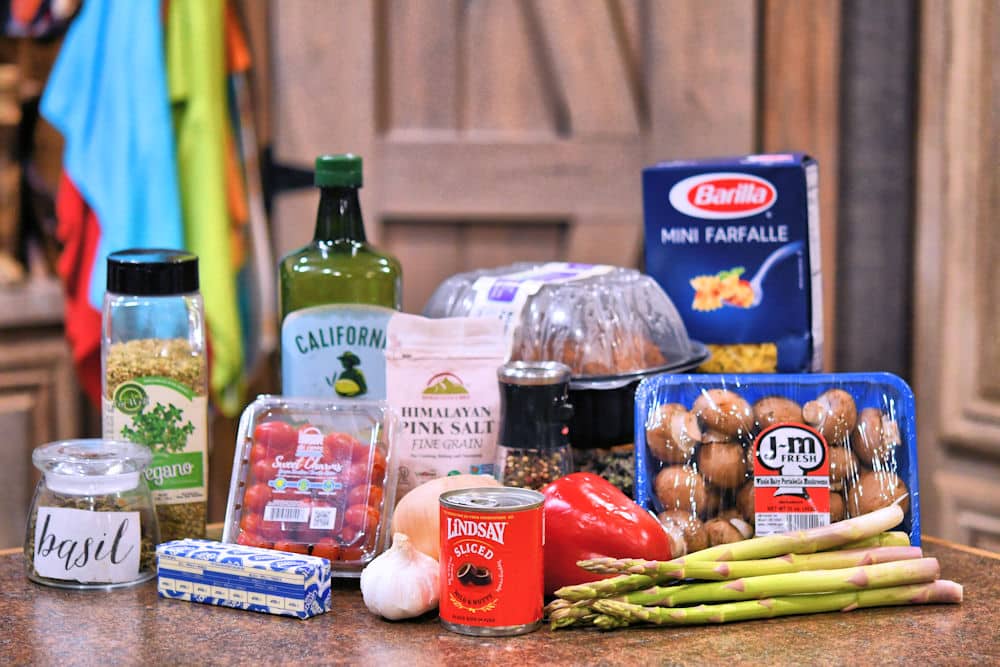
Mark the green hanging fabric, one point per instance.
(196, 76)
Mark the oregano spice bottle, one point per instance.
(155, 378)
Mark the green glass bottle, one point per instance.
(337, 295)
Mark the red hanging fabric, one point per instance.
(79, 232)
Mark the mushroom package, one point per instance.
(720, 458)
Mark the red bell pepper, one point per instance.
(587, 517)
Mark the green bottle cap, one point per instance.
(338, 171)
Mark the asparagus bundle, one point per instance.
(718, 571)
(777, 575)
(798, 542)
(940, 591)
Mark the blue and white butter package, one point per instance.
(725, 457)
(229, 575)
(734, 242)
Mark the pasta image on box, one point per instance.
(229, 575)
(734, 242)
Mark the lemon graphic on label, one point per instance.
(350, 382)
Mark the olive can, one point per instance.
(491, 561)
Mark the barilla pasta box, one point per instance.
(735, 244)
(230, 575)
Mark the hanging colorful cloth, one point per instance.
(107, 95)
(196, 71)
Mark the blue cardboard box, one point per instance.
(231, 575)
(735, 244)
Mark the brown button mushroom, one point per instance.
(695, 538)
(874, 438)
(722, 464)
(711, 435)
(713, 502)
(843, 467)
(672, 433)
(775, 410)
(721, 531)
(838, 512)
(834, 414)
(874, 490)
(681, 488)
(724, 411)
(745, 502)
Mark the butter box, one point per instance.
(231, 575)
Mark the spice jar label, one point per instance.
(170, 419)
(335, 350)
(791, 479)
(89, 547)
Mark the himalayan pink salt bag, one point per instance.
(441, 381)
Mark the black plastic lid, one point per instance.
(152, 272)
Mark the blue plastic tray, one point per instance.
(878, 390)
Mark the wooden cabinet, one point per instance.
(39, 398)
(957, 283)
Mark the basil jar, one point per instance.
(92, 523)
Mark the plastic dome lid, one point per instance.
(604, 322)
(91, 466)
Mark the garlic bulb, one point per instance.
(402, 582)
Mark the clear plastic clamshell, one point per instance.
(721, 458)
(601, 321)
(312, 476)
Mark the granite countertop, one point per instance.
(133, 626)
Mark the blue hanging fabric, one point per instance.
(107, 95)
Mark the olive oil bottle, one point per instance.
(337, 295)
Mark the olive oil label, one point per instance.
(336, 351)
(171, 420)
(791, 479)
(77, 545)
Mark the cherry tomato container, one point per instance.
(312, 476)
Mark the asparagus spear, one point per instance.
(895, 538)
(883, 575)
(804, 541)
(796, 542)
(606, 622)
(563, 618)
(824, 560)
(940, 591)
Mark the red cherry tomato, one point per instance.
(362, 518)
(258, 452)
(256, 497)
(292, 547)
(355, 475)
(339, 447)
(360, 495)
(264, 470)
(277, 436)
(326, 548)
(347, 536)
(252, 523)
(251, 540)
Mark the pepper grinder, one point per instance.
(533, 443)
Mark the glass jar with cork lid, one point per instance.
(153, 356)
(533, 442)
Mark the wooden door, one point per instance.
(496, 131)
(957, 346)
